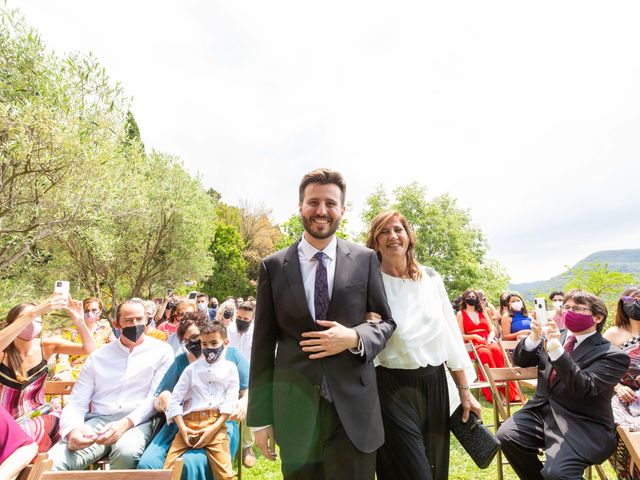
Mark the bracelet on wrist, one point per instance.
(462, 387)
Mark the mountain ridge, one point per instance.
(624, 260)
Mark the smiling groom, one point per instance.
(312, 382)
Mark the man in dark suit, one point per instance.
(570, 415)
(312, 380)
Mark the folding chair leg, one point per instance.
(588, 473)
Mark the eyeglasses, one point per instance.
(627, 299)
(575, 308)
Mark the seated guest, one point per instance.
(182, 308)
(570, 415)
(202, 303)
(16, 448)
(476, 327)
(23, 369)
(557, 299)
(150, 330)
(241, 336)
(626, 334)
(213, 308)
(67, 367)
(195, 461)
(203, 399)
(106, 414)
(227, 312)
(516, 323)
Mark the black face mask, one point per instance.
(211, 355)
(471, 301)
(133, 333)
(194, 347)
(243, 325)
(227, 314)
(632, 310)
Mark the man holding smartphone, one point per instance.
(112, 401)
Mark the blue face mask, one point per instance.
(202, 307)
(211, 355)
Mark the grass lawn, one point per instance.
(460, 465)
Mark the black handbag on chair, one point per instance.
(475, 438)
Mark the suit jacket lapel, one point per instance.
(291, 267)
(586, 346)
(344, 265)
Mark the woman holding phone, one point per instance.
(23, 368)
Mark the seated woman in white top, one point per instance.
(412, 382)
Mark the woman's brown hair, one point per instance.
(14, 357)
(378, 223)
(86, 303)
(622, 319)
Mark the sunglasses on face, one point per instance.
(628, 299)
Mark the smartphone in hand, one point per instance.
(61, 287)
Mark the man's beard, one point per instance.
(332, 227)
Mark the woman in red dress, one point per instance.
(478, 329)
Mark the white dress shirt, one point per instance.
(242, 341)
(115, 381)
(205, 387)
(309, 265)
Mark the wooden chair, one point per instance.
(502, 407)
(53, 387)
(42, 471)
(501, 403)
(631, 440)
(478, 385)
(508, 347)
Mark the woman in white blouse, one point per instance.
(412, 382)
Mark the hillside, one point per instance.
(627, 261)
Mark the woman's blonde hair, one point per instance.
(378, 223)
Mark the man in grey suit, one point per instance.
(312, 380)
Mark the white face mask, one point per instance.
(557, 304)
(516, 306)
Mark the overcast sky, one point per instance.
(527, 112)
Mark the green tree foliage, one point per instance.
(79, 197)
(596, 278)
(258, 233)
(447, 240)
(57, 118)
(229, 276)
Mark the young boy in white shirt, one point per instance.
(201, 402)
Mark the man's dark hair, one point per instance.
(246, 305)
(554, 293)
(202, 294)
(213, 327)
(323, 176)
